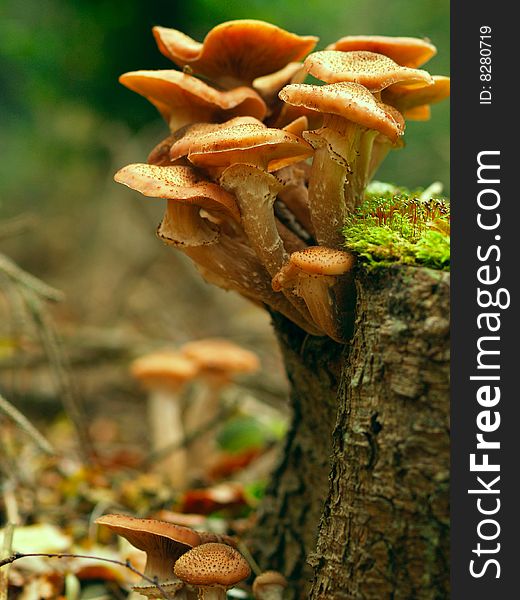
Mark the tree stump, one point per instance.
(358, 506)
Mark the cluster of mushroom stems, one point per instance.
(260, 169)
(184, 564)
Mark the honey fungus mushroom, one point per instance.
(269, 585)
(322, 277)
(374, 71)
(182, 99)
(213, 568)
(218, 362)
(408, 99)
(352, 119)
(163, 544)
(235, 52)
(164, 374)
(406, 51)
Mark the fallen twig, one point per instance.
(26, 426)
(127, 564)
(28, 281)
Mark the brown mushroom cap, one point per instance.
(212, 564)
(320, 260)
(164, 368)
(374, 71)
(268, 86)
(235, 52)
(267, 579)
(178, 183)
(181, 142)
(406, 51)
(249, 144)
(182, 99)
(163, 542)
(351, 101)
(406, 98)
(221, 355)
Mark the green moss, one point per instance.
(396, 225)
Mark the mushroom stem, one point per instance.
(167, 431)
(255, 191)
(319, 295)
(357, 180)
(332, 194)
(203, 411)
(212, 593)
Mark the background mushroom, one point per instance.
(164, 374)
(218, 361)
(269, 586)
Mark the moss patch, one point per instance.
(396, 225)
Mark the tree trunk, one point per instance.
(358, 506)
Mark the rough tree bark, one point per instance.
(358, 506)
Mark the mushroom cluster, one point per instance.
(180, 562)
(260, 169)
(185, 564)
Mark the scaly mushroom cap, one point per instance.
(164, 368)
(212, 564)
(374, 71)
(235, 52)
(351, 101)
(181, 142)
(249, 144)
(179, 183)
(221, 355)
(406, 98)
(319, 260)
(406, 51)
(182, 99)
(163, 542)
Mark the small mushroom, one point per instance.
(218, 361)
(269, 586)
(322, 277)
(352, 119)
(164, 375)
(187, 191)
(406, 51)
(182, 99)
(163, 544)
(375, 71)
(235, 52)
(213, 568)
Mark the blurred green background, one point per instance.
(62, 108)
